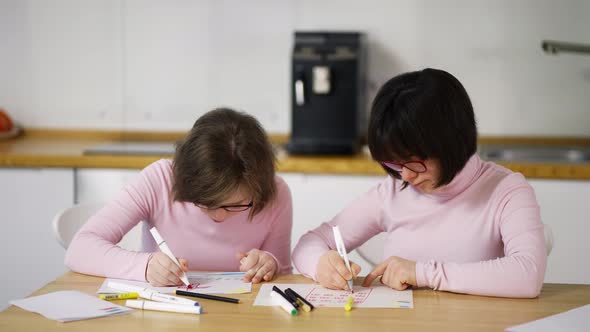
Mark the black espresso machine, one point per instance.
(328, 93)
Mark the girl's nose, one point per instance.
(220, 214)
(407, 174)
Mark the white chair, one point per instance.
(67, 222)
(372, 250)
(548, 238)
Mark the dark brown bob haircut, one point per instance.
(426, 114)
(225, 150)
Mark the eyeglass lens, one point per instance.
(411, 165)
(228, 208)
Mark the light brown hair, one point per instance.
(225, 150)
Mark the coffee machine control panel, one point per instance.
(321, 80)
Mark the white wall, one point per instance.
(158, 65)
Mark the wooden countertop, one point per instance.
(433, 311)
(64, 148)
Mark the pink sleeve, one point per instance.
(94, 248)
(519, 273)
(358, 222)
(278, 241)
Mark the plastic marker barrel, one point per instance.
(349, 302)
(161, 306)
(280, 300)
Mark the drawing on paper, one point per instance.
(206, 283)
(364, 297)
(321, 297)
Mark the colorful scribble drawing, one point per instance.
(324, 297)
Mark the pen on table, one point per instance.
(207, 296)
(149, 305)
(119, 296)
(305, 305)
(342, 251)
(165, 249)
(152, 295)
(283, 302)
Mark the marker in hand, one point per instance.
(342, 251)
(164, 248)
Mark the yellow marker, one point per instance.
(303, 306)
(122, 296)
(349, 302)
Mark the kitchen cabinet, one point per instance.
(564, 207)
(318, 198)
(31, 256)
(102, 185)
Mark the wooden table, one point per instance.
(433, 311)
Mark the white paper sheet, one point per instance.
(364, 297)
(575, 320)
(206, 283)
(66, 306)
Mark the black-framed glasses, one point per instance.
(416, 166)
(229, 208)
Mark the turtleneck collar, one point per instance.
(462, 180)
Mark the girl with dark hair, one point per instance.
(219, 205)
(453, 222)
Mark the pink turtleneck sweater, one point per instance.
(189, 232)
(480, 234)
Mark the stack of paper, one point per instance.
(66, 306)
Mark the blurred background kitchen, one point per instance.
(155, 66)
